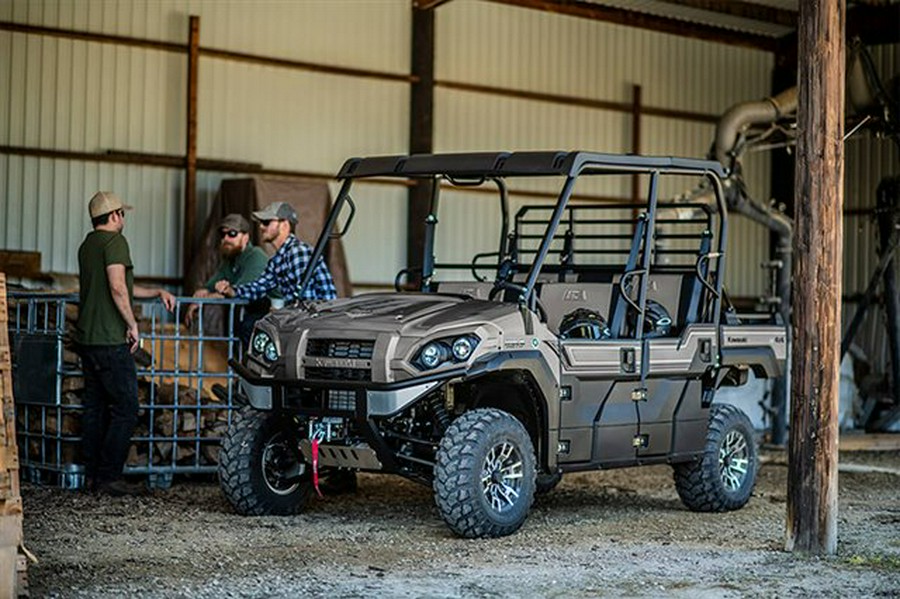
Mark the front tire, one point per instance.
(723, 479)
(484, 475)
(261, 470)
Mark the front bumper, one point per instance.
(360, 401)
(369, 399)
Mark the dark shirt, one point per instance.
(99, 320)
(243, 268)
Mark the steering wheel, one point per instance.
(505, 271)
(501, 285)
(404, 272)
(474, 266)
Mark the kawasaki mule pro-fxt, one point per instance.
(598, 341)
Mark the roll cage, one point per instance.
(471, 169)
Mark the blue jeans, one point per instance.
(110, 409)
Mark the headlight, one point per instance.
(263, 345)
(270, 353)
(433, 354)
(462, 348)
(456, 349)
(260, 341)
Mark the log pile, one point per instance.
(186, 423)
(180, 420)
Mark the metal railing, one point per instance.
(186, 389)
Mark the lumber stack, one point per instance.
(12, 568)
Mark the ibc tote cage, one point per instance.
(181, 419)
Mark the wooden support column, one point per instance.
(421, 117)
(190, 165)
(813, 445)
(12, 567)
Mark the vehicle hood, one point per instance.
(400, 313)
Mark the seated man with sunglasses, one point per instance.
(242, 262)
(285, 268)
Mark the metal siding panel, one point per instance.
(518, 48)
(376, 243)
(532, 51)
(340, 33)
(867, 161)
(309, 121)
(303, 121)
(6, 84)
(466, 121)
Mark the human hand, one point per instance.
(225, 288)
(133, 337)
(189, 314)
(168, 299)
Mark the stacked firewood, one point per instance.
(181, 416)
(175, 425)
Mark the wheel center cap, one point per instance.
(496, 477)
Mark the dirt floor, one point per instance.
(615, 533)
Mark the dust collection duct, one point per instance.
(866, 99)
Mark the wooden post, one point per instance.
(10, 499)
(813, 455)
(190, 166)
(421, 117)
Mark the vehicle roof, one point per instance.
(520, 164)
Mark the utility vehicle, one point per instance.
(594, 337)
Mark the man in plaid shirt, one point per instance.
(285, 269)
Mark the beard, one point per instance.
(229, 251)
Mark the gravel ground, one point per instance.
(615, 533)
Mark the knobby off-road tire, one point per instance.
(723, 479)
(484, 475)
(261, 470)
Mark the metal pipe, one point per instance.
(740, 116)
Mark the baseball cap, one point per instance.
(105, 202)
(235, 221)
(277, 210)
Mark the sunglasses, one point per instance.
(265, 223)
(120, 212)
(230, 233)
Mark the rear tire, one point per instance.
(261, 470)
(484, 475)
(724, 477)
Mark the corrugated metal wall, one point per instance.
(868, 160)
(528, 50)
(85, 96)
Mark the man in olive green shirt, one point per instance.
(242, 262)
(106, 335)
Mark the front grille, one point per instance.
(341, 400)
(360, 349)
(338, 374)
